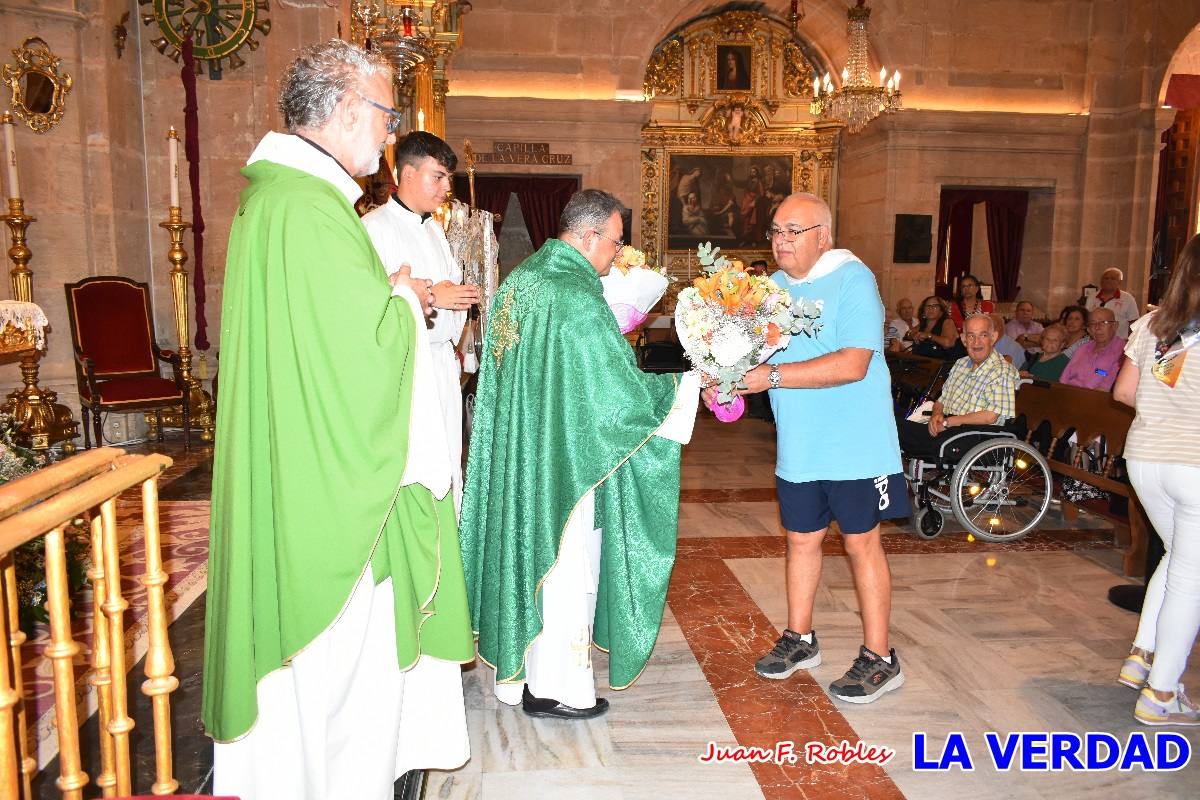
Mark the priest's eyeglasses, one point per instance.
(618, 242)
(394, 116)
(789, 234)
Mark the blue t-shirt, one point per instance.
(841, 432)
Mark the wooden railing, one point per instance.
(45, 503)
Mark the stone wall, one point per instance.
(1058, 95)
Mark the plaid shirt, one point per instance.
(991, 386)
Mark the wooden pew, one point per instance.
(1092, 413)
(915, 378)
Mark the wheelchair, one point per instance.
(994, 483)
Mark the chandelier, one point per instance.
(407, 34)
(859, 99)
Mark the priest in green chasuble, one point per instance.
(337, 618)
(571, 505)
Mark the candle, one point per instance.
(882, 75)
(408, 26)
(845, 75)
(10, 155)
(420, 119)
(173, 149)
(816, 87)
(896, 79)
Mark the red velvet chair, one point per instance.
(116, 357)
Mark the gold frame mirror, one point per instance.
(39, 89)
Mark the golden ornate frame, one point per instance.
(690, 116)
(34, 58)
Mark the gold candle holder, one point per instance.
(200, 401)
(40, 421)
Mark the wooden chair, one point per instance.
(116, 356)
(44, 503)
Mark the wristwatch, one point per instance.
(773, 376)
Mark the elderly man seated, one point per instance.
(1096, 362)
(979, 393)
(1116, 299)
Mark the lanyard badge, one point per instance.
(1170, 356)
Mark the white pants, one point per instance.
(342, 721)
(559, 664)
(449, 376)
(1170, 493)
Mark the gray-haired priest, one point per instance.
(571, 506)
(337, 613)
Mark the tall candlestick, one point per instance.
(420, 119)
(173, 149)
(10, 155)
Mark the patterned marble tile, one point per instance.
(1028, 643)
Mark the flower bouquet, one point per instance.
(729, 322)
(632, 288)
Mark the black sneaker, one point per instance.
(868, 679)
(789, 654)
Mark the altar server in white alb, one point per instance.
(405, 232)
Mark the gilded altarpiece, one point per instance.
(730, 135)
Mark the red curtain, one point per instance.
(542, 199)
(1006, 210)
(1006, 235)
(542, 203)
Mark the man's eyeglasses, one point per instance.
(1101, 323)
(394, 116)
(789, 234)
(618, 242)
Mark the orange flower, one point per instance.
(772, 334)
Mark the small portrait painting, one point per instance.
(733, 67)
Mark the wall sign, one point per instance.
(536, 153)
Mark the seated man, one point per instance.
(1024, 329)
(1096, 363)
(897, 326)
(979, 393)
(1006, 345)
(1111, 296)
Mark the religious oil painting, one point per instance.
(733, 67)
(726, 200)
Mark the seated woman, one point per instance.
(968, 302)
(1049, 364)
(1075, 320)
(935, 335)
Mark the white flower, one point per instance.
(730, 346)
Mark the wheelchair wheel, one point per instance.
(1001, 489)
(929, 522)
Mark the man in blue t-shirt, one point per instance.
(838, 456)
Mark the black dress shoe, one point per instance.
(548, 707)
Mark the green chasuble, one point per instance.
(562, 409)
(312, 435)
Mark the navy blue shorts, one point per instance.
(857, 505)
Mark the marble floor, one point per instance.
(1003, 638)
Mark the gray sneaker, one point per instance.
(868, 679)
(789, 654)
